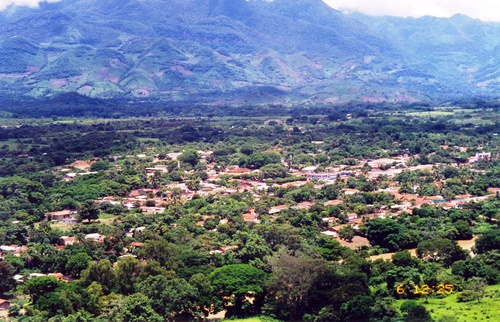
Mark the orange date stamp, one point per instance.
(424, 289)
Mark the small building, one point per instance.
(277, 209)
(95, 237)
(309, 169)
(152, 210)
(223, 250)
(303, 205)
(68, 240)
(251, 216)
(321, 176)
(4, 305)
(9, 249)
(132, 231)
(404, 206)
(60, 215)
(159, 168)
(352, 216)
(136, 244)
(330, 232)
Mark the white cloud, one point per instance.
(486, 10)
(27, 3)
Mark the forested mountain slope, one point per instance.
(237, 51)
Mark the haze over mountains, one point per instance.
(242, 52)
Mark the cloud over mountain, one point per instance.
(27, 3)
(485, 10)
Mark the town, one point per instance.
(157, 201)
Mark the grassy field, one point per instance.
(487, 310)
(430, 113)
(256, 319)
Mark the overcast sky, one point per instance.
(486, 10)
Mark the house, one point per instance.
(4, 305)
(152, 210)
(60, 215)
(277, 209)
(331, 232)
(9, 249)
(223, 250)
(158, 168)
(480, 156)
(404, 206)
(142, 192)
(68, 240)
(333, 202)
(321, 176)
(134, 230)
(329, 220)
(304, 205)
(250, 216)
(95, 237)
(136, 244)
(309, 170)
(237, 170)
(352, 216)
(350, 191)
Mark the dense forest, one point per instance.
(158, 213)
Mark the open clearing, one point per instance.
(487, 310)
(465, 244)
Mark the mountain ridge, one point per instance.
(239, 52)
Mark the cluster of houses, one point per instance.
(15, 250)
(151, 201)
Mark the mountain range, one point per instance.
(242, 52)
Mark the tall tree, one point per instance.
(234, 285)
(7, 283)
(290, 282)
(346, 233)
(175, 299)
(88, 211)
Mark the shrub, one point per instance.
(466, 296)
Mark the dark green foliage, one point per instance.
(291, 280)
(163, 252)
(7, 282)
(77, 263)
(387, 233)
(88, 211)
(463, 229)
(274, 171)
(441, 250)
(234, 284)
(101, 272)
(137, 308)
(190, 157)
(259, 159)
(489, 241)
(415, 312)
(174, 298)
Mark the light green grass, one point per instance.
(148, 139)
(105, 216)
(487, 310)
(430, 113)
(256, 319)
